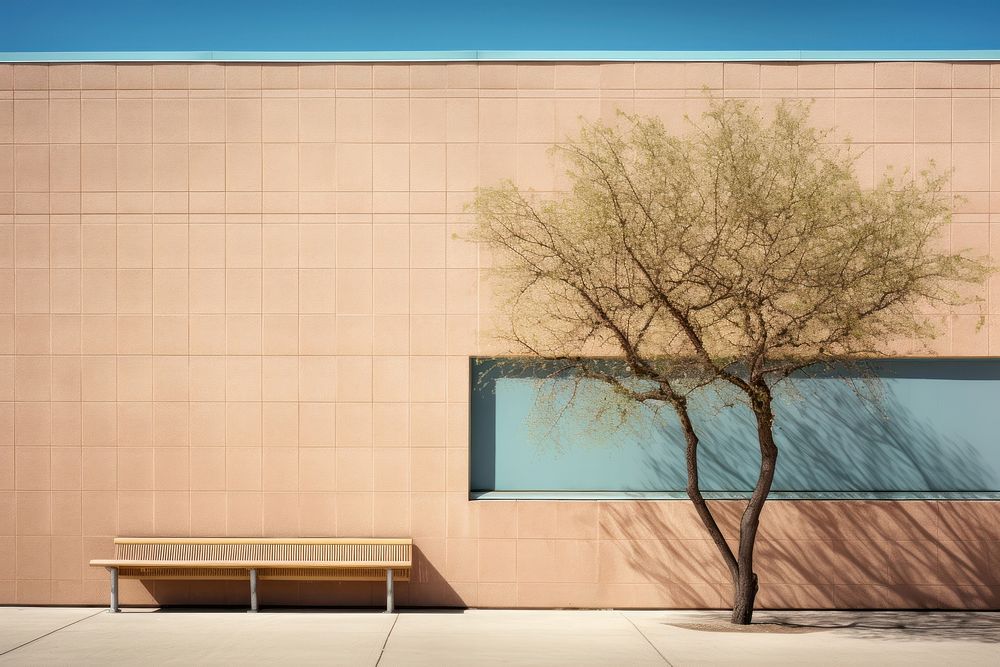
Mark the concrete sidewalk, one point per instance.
(85, 636)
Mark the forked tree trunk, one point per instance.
(740, 565)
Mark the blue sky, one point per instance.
(336, 25)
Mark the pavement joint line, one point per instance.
(395, 617)
(643, 635)
(52, 632)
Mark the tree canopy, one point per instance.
(747, 241)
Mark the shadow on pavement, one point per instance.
(982, 627)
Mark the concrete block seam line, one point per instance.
(52, 632)
(643, 635)
(392, 627)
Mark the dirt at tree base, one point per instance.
(767, 628)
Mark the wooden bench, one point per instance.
(341, 559)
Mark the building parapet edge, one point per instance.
(959, 55)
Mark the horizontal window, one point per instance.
(921, 428)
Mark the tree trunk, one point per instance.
(744, 594)
(745, 584)
(740, 565)
(694, 490)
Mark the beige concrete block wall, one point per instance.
(232, 303)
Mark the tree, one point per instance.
(735, 255)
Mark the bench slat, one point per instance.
(353, 550)
(251, 564)
(262, 540)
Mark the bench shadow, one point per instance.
(330, 609)
(427, 587)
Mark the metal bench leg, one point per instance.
(113, 571)
(389, 602)
(253, 590)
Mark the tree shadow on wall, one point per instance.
(823, 555)
(833, 438)
(848, 554)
